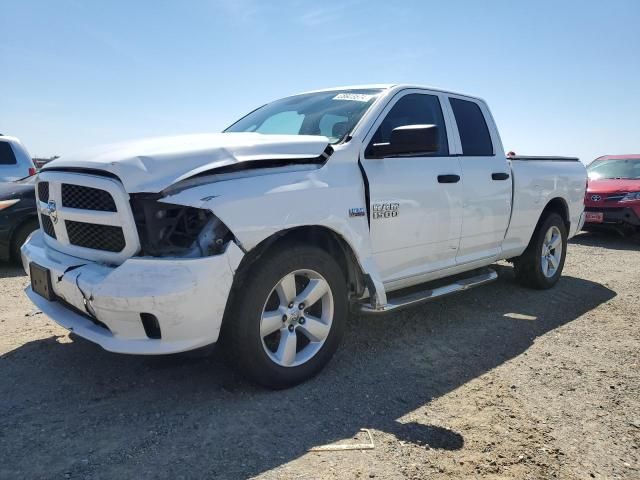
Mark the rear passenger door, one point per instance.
(486, 180)
(415, 198)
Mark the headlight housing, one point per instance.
(166, 229)
(631, 197)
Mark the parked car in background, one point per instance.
(15, 161)
(613, 193)
(18, 216)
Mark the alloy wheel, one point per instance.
(551, 252)
(296, 318)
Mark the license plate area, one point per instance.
(41, 281)
(594, 217)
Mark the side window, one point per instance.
(474, 134)
(284, 122)
(7, 157)
(414, 109)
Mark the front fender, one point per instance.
(255, 207)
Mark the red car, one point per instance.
(613, 193)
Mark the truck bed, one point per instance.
(544, 159)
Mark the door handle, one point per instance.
(448, 178)
(500, 176)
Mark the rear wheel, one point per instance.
(287, 316)
(540, 266)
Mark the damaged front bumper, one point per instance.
(184, 298)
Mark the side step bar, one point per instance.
(416, 298)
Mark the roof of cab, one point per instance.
(394, 86)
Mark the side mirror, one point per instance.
(408, 139)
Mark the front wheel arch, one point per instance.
(313, 235)
(241, 336)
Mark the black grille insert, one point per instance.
(47, 226)
(97, 237)
(87, 198)
(43, 191)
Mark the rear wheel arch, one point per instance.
(548, 240)
(556, 205)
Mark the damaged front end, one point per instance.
(167, 229)
(164, 285)
(169, 295)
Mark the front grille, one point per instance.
(93, 216)
(43, 191)
(47, 226)
(97, 237)
(87, 198)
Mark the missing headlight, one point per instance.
(167, 229)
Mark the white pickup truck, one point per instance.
(266, 235)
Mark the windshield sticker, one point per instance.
(354, 97)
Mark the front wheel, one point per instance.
(541, 264)
(287, 316)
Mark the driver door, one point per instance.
(415, 198)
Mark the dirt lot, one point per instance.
(499, 382)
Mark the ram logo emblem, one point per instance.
(52, 211)
(596, 198)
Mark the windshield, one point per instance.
(619, 168)
(332, 114)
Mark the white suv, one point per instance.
(15, 161)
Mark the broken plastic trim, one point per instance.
(167, 229)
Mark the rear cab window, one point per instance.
(7, 157)
(472, 127)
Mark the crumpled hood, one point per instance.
(151, 165)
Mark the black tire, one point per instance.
(528, 267)
(253, 289)
(20, 236)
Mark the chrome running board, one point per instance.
(486, 276)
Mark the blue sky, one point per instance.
(561, 77)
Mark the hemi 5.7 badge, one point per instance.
(385, 210)
(356, 212)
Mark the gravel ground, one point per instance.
(498, 382)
